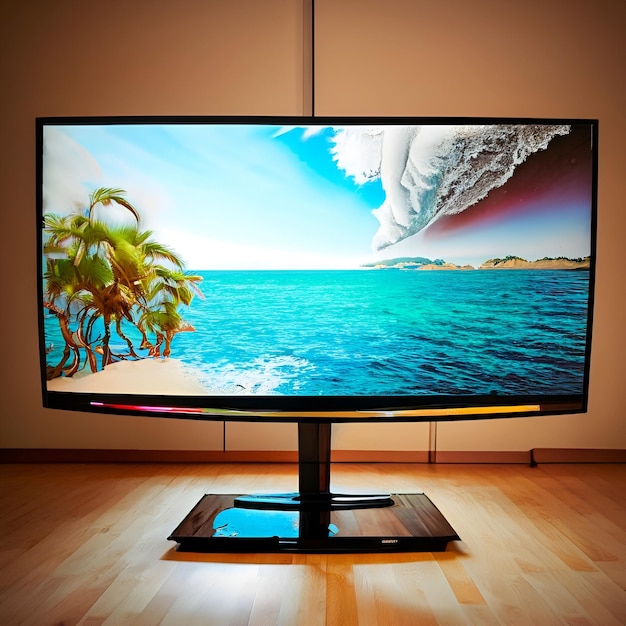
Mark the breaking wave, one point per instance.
(428, 172)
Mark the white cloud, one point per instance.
(203, 253)
(67, 166)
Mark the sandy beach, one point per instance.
(147, 376)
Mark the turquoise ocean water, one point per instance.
(384, 332)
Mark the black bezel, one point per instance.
(307, 408)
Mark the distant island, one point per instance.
(507, 263)
(546, 263)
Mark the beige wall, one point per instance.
(532, 58)
(383, 57)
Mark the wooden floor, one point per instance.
(87, 544)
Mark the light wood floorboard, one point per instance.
(87, 544)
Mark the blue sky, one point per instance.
(229, 197)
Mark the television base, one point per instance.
(412, 523)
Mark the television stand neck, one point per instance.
(314, 480)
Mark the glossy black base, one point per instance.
(410, 523)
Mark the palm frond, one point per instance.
(107, 195)
(160, 252)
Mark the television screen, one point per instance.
(314, 268)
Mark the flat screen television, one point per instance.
(316, 270)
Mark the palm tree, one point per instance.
(70, 289)
(166, 290)
(115, 274)
(141, 284)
